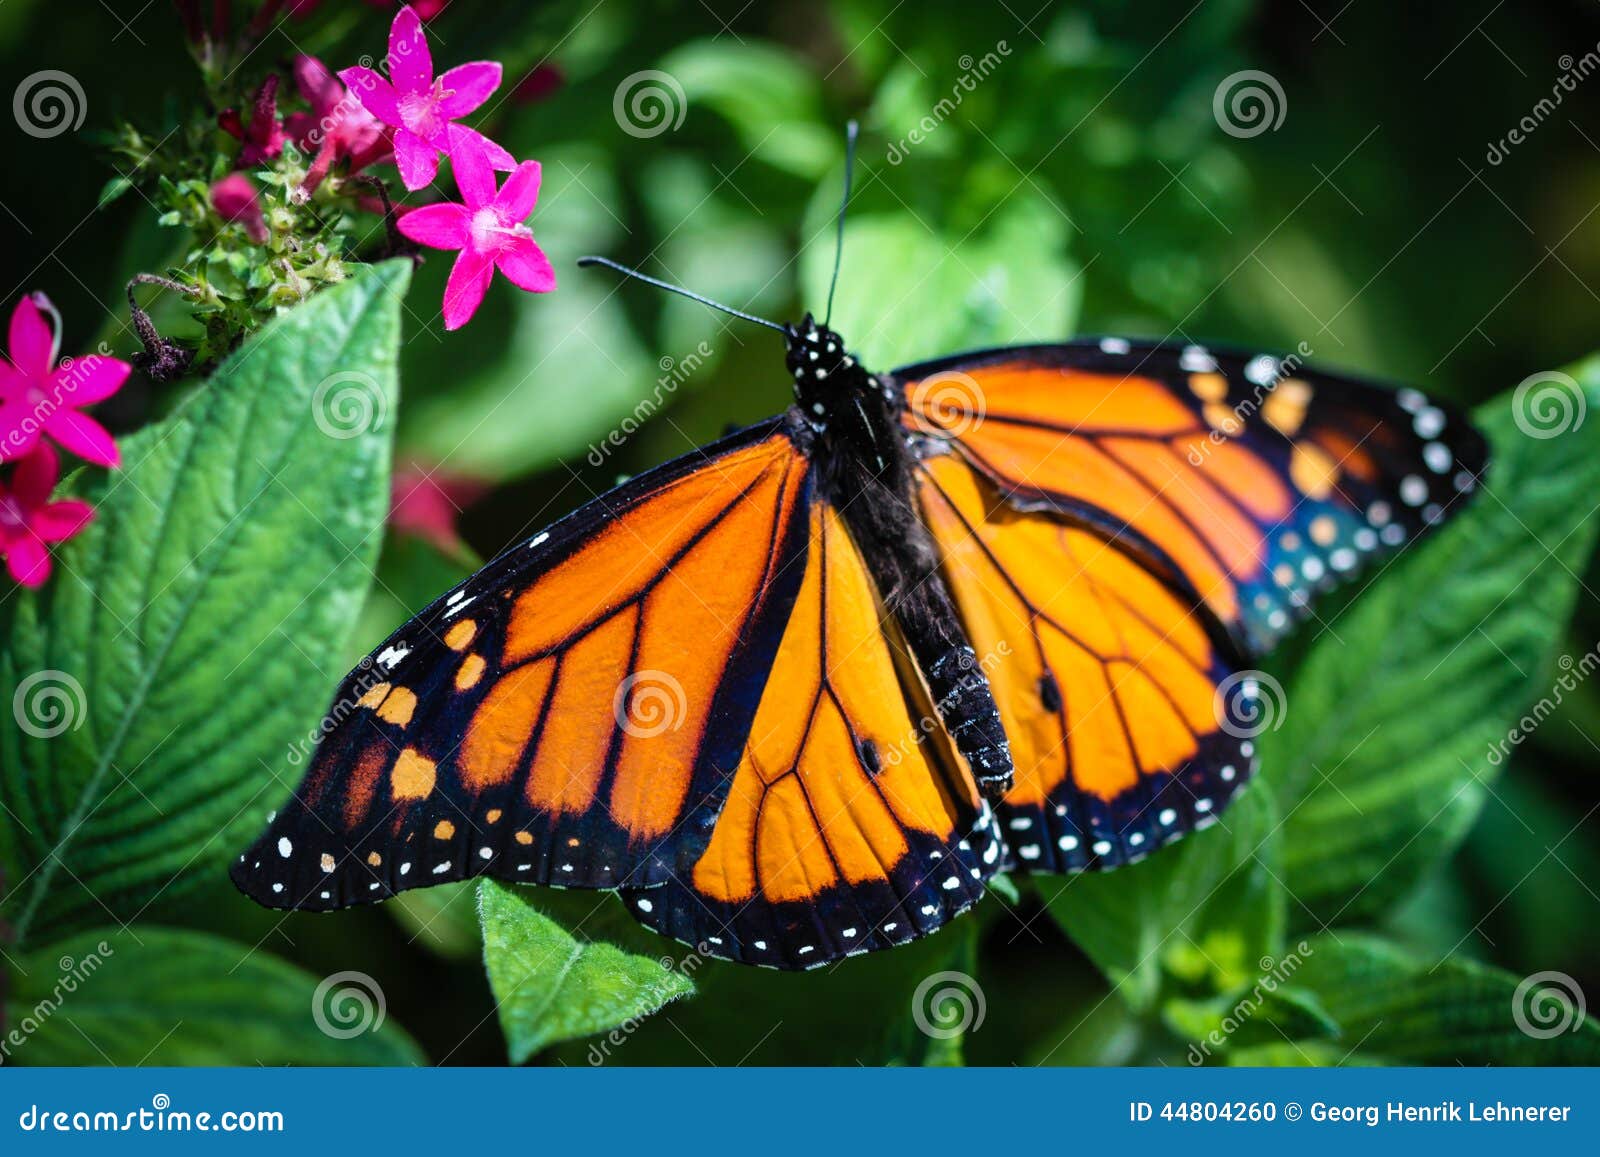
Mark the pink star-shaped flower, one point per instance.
(29, 520)
(487, 226)
(419, 107)
(39, 397)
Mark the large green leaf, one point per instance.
(1386, 743)
(1392, 1006)
(156, 996)
(194, 632)
(1208, 909)
(552, 986)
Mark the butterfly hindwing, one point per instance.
(569, 714)
(1106, 678)
(1256, 481)
(851, 824)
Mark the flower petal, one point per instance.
(33, 342)
(83, 436)
(317, 84)
(28, 561)
(409, 61)
(19, 429)
(526, 267)
(469, 159)
(463, 293)
(376, 95)
(89, 379)
(61, 520)
(35, 477)
(443, 226)
(417, 160)
(467, 86)
(520, 192)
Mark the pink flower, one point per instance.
(338, 127)
(234, 199)
(488, 229)
(39, 397)
(29, 520)
(421, 109)
(426, 502)
(263, 138)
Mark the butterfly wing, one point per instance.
(1106, 678)
(1254, 481)
(688, 691)
(850, 824)
(569, 714)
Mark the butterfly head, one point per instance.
(823, 370)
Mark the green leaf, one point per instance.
(193, 633)
(1386, 745)
(1392, 1006)
(909, 292)
(1208, 908)
(551, 986)
(157, 996)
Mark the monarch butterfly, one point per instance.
(798, 695)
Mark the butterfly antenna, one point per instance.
(851, 131)
(585, 262)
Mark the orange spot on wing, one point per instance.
(413, 776)
(398, 707)
(470, 672)
(460, 634)
(443, 830)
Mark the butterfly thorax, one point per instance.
(845, 405)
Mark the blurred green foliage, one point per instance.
(1081, 184)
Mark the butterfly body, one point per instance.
(864, 463)
(800, 694)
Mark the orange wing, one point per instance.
(569, 715)
(851, 823)
(1253, 480)
(1106, 678)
